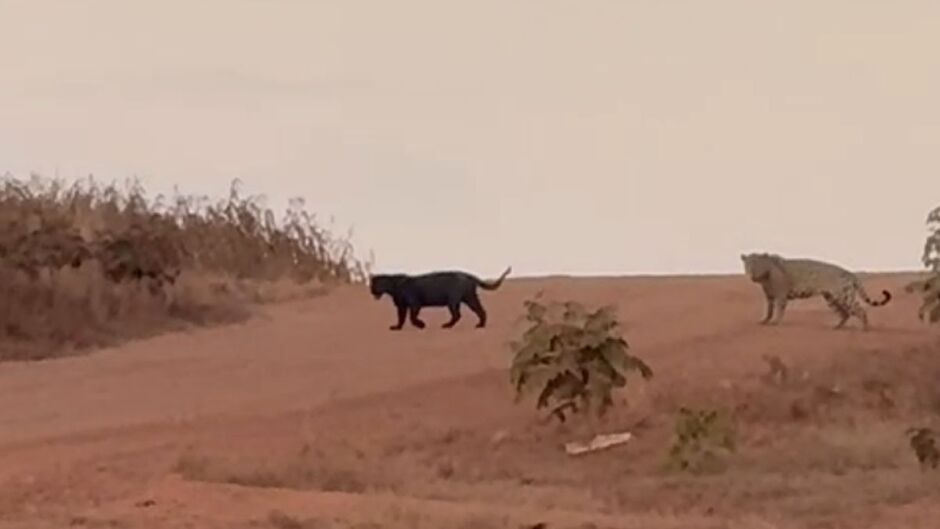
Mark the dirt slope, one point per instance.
(84, 440)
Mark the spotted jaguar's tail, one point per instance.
(493, 285)
(885, 299)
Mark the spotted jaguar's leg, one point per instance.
(838, 307)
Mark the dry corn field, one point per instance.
(88, 264)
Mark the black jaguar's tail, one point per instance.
(493, 285)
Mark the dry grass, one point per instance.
(404, 518)
(821, 448)
(89, 264)
(305, 468)
(280, 520)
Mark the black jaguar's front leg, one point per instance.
(413, 316)
(402, 312)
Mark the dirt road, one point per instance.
(83, 439)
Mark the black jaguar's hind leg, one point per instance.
(402, 312)
(454, 309)
(473, 301)
(413, 316)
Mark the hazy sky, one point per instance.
(557, 136)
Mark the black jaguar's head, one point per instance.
(379, 285)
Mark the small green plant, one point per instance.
(700, 440)
(573, 357)
(923, 443)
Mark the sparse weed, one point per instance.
(281, 520)
(923, 443)
(701, 438)
(778, 373)
(308, 470)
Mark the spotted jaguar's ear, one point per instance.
(743, 257)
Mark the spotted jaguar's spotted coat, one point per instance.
(784, 280)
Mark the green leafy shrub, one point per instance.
(701, 439)
(931, 255)
(929, 290)
(929, 286)
(574, 358)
